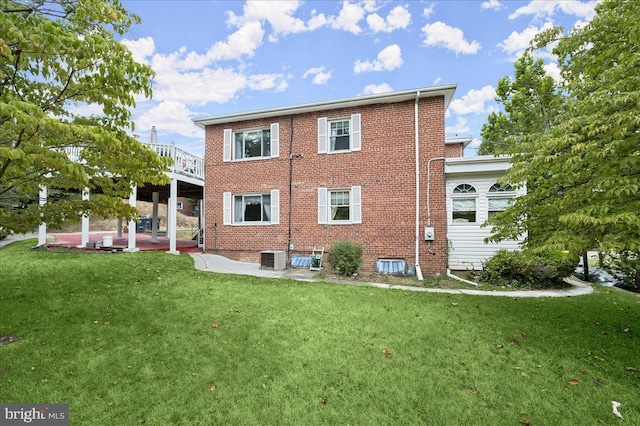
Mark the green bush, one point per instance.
(525, 269)
(346, 257)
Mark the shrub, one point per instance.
(526, 269)
(346, 257)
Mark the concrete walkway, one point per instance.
(215, 263)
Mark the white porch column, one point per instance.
(155, 197)
(172, 215)
(119, 228)
(42, 229)
(85, 221)
(131, 246)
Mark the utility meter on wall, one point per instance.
(429, 233)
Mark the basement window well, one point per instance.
(391, 267)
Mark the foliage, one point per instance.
(346, 257)
(531, 102)
(114, 334)
(60, 61)
(583, 173)
(526, 269)
(625, 266)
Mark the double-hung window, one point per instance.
(339, 135)
(339, 206)
(251, 209)
(252, 143)
(464, 204)
(500, 196)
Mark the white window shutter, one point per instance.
(356, 205)
(322, 205)
(275, 139)
(226, 206)
(356, 138)
(275, 207)
(228, 140)
(322, 135)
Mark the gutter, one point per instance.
(417, 141)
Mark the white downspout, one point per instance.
(417, 260)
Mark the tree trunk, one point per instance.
(585, 266)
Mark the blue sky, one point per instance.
(220, 57)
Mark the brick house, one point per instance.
(368, 169)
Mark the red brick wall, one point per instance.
(384, 168)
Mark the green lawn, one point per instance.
(145, 339)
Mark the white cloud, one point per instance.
(348, 19)
(319, 76)
(517, 43)
(172, 117)
(459, 127)
(491, 4)
(553, 71)
(542, 9)
(428, 11)
(388, 59)
(140, 49)
(267, 81)
(218, 85)
(473, 101)
(442, 35)
(374, 89)
(398, 18)
(437, 81)
(278, 13)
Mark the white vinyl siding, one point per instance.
(467, 249)
(334, 204)
(331, 134)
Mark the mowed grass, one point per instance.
(144, 338)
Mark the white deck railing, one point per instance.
(184, 162)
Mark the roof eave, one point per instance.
(446, 91)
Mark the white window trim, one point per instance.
(228, 151)
(228, 213)
(468, 196)
(355, 134)
(355, 206)
(179, 205)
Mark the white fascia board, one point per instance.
(464, 140)
(480, 164)
(447, 91)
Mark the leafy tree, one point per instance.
(531, 102)
(57, 58)
(585, 170)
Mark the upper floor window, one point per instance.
(251, 144)
(464, 203)
(339, 135)
(339, 206)
(339, 139)
(251, 209)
